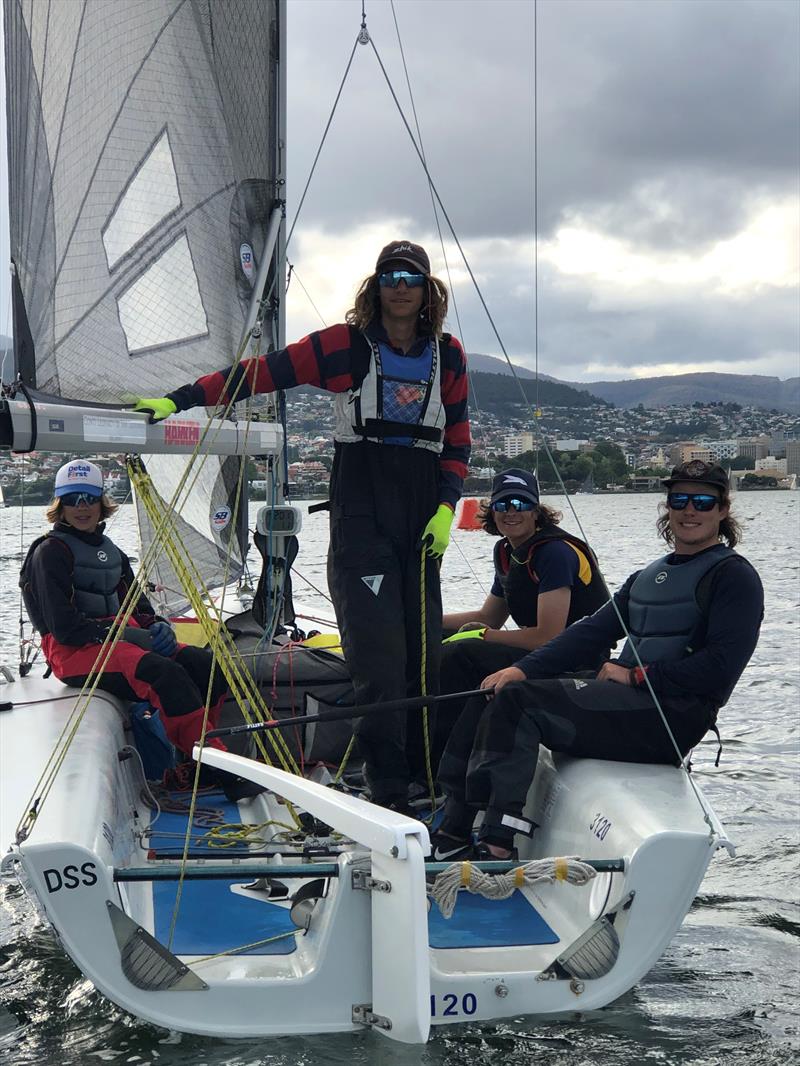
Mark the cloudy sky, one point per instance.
(668, 168)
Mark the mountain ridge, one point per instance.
(757, 390)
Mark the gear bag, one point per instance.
(288, 675)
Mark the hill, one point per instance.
(495, 392)
(751, 390)
(756, 390)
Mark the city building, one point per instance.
(685, 451)
(516, 445)
(793, 456)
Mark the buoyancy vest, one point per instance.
(664, 615)
(96, 574)
(397, 401)
(516, 572)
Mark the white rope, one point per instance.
(445, 888)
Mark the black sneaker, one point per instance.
(445, 848)
(419, 795)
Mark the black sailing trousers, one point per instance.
(382, 496)
(490, 759)
(464, 664)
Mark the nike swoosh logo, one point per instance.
(440, 855)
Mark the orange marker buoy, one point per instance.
(468, 514)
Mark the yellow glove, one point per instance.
(436, 535)
(158, 408)
(467, 634)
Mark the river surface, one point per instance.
(725, 991)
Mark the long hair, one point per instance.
(545, 516)
(367, 307)
(55, 511)
(729, 529)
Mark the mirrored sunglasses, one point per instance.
(701, 501)
(393, 278)
(75, 499)
(512, 505)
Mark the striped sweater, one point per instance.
(333, 359)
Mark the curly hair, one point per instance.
(55, 510)
(729, 529)
(367, 308)
(545, 516)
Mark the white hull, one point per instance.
(366, 956)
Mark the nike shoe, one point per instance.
(445, 848)
(419, 795)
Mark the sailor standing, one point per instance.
(401, 449)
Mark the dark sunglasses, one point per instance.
(393, 278)
(512, 505)
(75, 499)
(701, 501)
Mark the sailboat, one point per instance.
(146, 162)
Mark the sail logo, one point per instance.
(220, 518)
(374, 582)
(247, 259)
(181, 432)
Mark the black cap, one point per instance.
(697, 470)
(405, 252)
(521, 484)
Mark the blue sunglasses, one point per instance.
(393, 278)
(701, 501)
(513, 505)
(75, 499)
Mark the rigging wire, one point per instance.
(451, 287)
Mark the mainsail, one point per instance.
(145, 165)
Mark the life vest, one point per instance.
(664, 614)
(517, 574)
(397, 401)
(96, 574)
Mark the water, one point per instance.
(725, 992)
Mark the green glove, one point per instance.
(436, 535)
(159, 408)
(467, 634)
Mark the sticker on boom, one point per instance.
(181, 432)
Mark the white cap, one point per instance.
(79, 476)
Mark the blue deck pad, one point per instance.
(169, 829)
(211, 918)
(488, 923)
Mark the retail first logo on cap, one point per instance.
(78, 471)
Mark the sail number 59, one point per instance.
(450, 1005)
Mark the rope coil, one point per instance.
(466, 875)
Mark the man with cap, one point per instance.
(691, 620)
(401, 449)
(74, 581)
(544, 579)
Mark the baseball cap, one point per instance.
(79, 476)
(515, 482)
(405, 252)
(697, 470)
